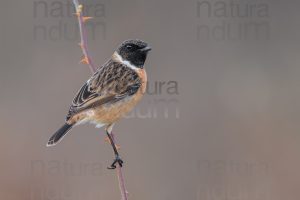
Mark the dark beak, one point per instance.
(146, 49)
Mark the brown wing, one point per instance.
(111, 83)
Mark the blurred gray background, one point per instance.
(220, 120)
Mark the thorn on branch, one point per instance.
(81, 45)
(85, 60)
(84, 19)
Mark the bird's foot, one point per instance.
(117, 160)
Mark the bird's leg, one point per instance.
(117, 157)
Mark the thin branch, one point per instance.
(122, 187)
(88, 60)
(83, 36)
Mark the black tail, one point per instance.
(58, 135)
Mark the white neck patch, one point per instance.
(118, 58)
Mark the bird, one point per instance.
(111, 92)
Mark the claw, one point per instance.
(112, 167)
(117, 160)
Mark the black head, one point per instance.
(134, 51)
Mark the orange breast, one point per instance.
(143, 76)
(110, 114)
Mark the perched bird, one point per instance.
(112, 91)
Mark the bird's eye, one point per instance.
(129, 47)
